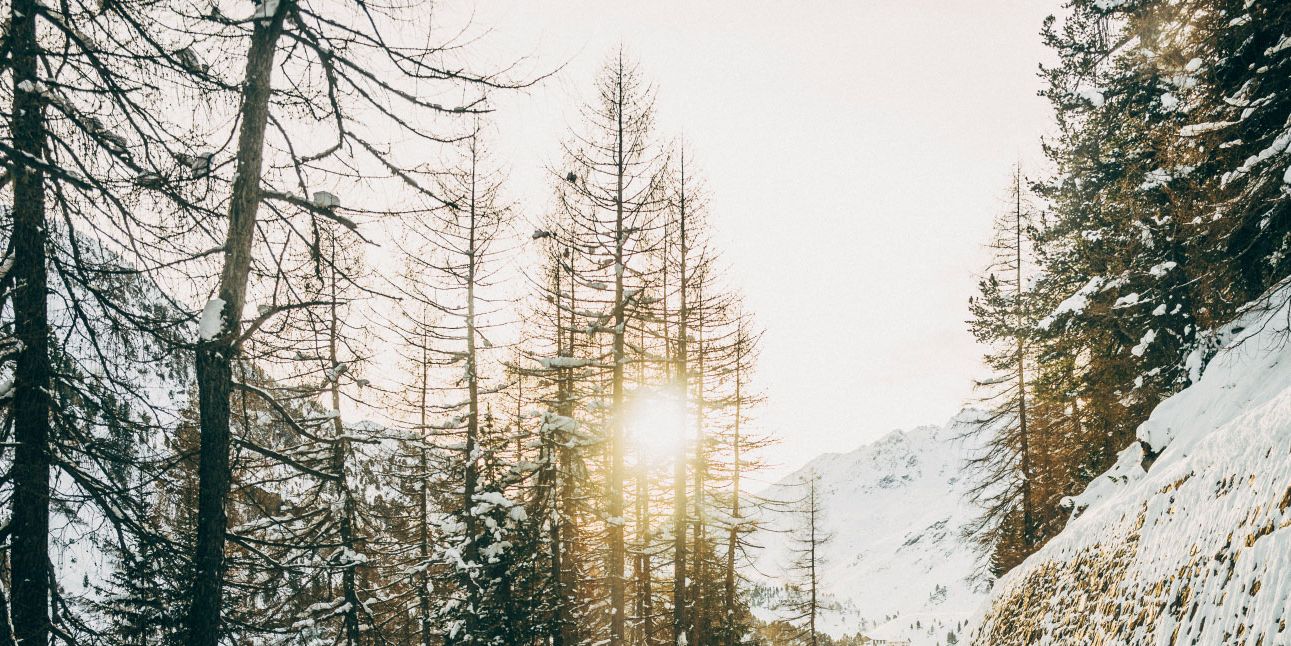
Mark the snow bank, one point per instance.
(1194, 549)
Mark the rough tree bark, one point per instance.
(215, 355)
(29, 553)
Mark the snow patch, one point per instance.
(896, 511)
(212, 321)
(1074, 304)
(1142, 347)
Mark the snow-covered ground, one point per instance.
(897, 566)
(1196, 548)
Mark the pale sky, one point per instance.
(855, 153)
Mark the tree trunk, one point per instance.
(642, 607)
(814, 580)
(732, 537)
(553, 461)
(643, 567)
(617, 551)
(1028, 502)
(698, 619)
(29, 553)
(340, 454)
(423, 498)
(679, 503)
(215, 355)
(555, 631)
(471, 475)
(564, 529)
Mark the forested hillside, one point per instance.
(284, 362)
(290, 353)
(1153, 261)
(1167, 211)
(1184, 540)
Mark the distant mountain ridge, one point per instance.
(898, 565)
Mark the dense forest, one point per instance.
(1166, 211)
(283, 361)
(285, 364)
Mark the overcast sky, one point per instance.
(855, 152)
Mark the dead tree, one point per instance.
(373, 75)
(616, 180)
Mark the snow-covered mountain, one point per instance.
(1187, 538)
(897, 566)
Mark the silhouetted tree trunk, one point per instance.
(29, 554)
(733, 532)
(809, 538)
(215, 355)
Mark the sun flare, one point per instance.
(656, 426)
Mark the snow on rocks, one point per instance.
(1196, 129)
(1126, 301)
(1160, 269)
(1187, 538)
(1279, 146)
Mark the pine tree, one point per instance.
(239, 496)
(741, 447)
(562, 356)
(29, 554)
(214, 371)
(615, 185)
(806, 568)
(1163, 218)
(1008, 467)
(355, 85)
(476, 548)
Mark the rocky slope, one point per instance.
(1185, 540)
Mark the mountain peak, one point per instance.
(896, 511)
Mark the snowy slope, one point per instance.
(1194, 550)
(895, 510)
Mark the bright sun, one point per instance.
(656, 425)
